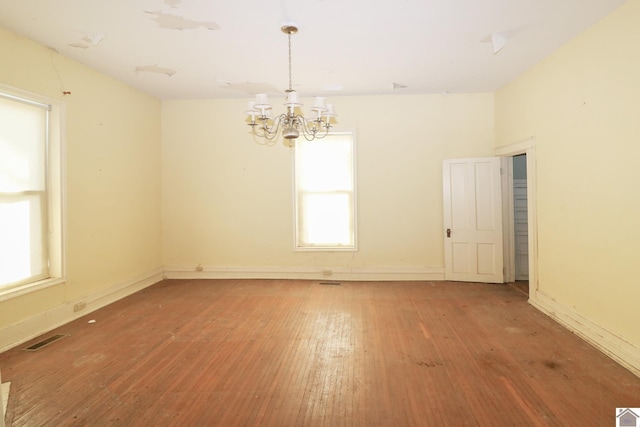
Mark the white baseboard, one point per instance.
(604, 340)
(21, 332)
(309, 273)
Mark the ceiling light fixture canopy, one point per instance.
(264, 125)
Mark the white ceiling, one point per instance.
(179, 49)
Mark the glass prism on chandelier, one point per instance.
(265, 125)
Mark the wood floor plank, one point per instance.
(297, 353)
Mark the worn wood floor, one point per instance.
(297, 353)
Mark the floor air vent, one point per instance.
(45, 342)
(331, 283)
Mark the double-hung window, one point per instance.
(325, 200)
(30, 194)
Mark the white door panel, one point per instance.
(473, 220)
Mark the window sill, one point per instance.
(19, 290)
(325, 249)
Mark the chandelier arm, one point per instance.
(307, 132)
(262, 133)
(327, 127)
(321, 135)
(315, 132)
(270, 132)
(300, 122)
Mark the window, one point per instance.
(30, 194)
(325, 192)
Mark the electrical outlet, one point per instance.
(199, 268)
(79, 306)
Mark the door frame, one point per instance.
(528, 147)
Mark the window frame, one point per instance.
(54, 225)
(354, 217)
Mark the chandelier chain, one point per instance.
(290, 88)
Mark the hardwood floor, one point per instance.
(297, 353)
(521, 285)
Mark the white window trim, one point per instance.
(353, 248)
(56, 182)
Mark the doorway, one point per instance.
(520, 217)
(519, 225)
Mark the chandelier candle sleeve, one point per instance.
(251, 110)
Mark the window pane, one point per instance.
(326, 164)
(22, 147)
(327, 219)
(21, 239)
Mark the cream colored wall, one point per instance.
(227, 201)
(582, 105)
(112, 175)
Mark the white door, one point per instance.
(472, 196)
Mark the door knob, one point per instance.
(448, 232)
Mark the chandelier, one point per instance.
(264, 125)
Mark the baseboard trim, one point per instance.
(25, 330)
(309, 273)
(604, 340)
